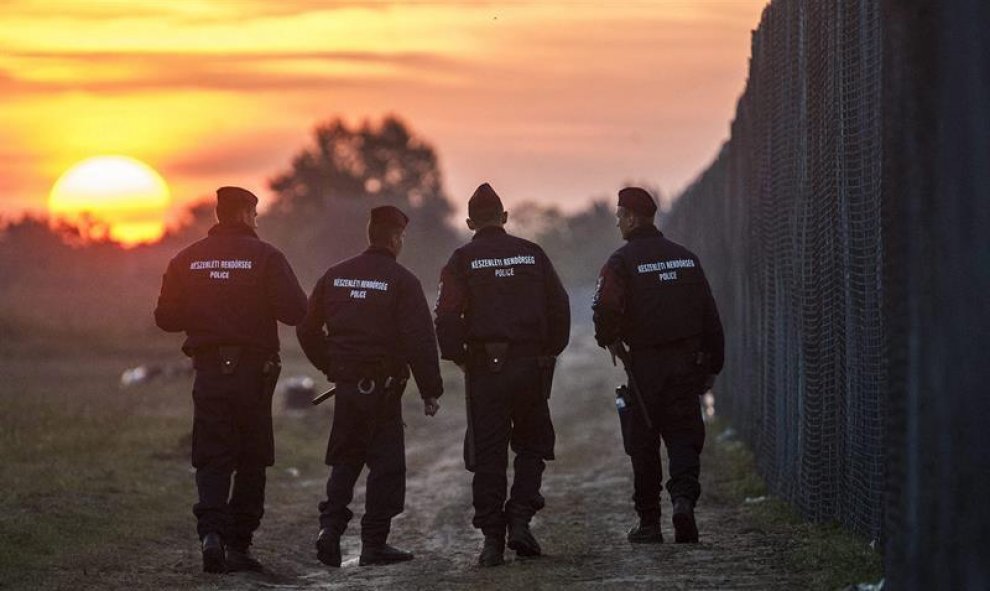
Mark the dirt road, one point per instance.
(582, 529)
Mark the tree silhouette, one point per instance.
(324, 197)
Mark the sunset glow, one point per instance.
(117, 197)
(552, 102)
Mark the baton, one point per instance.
(325, 396)
(617, 350)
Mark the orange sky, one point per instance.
(551, 101)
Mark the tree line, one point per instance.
(55, 281)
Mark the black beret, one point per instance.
(485, 201)
(638, 201)
(233, 197)
(388, 215)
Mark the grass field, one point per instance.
(97, 489)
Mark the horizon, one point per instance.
(553, 103)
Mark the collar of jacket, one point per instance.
(488, 231)
(650, 231)
(379, 250)
(236, 228)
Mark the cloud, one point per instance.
(235, 156)
(151, 71)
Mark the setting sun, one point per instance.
(124, 194)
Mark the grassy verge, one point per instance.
(97, 488)
(89, 471)
(831, 556)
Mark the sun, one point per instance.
(116, 197)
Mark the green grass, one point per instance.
(93, 475)
(830, 555)
(88, 470)
(97, 487)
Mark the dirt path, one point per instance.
(582, 529)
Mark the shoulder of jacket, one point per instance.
(622, 252)
(268, 248)
(404, 275)
(679, 248)
(527, 244)
(461, 251)
(193, 250)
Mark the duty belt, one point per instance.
(367, 374)
(228, 357)
(495, 353)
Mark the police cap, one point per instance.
(484, 203)
(235, 197)
(389, 216)
(637, 200)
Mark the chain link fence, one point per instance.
(788, 222)
(845, 227)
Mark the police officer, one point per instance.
(368, 322)
(503, 317)
(652, 296)
(226, 292)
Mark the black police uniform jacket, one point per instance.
(369, 314)
(652, 292)
(228, 291)
(229, 288)
(501, 288)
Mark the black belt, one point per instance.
(228, 357)
(357, 370)
(512, 350)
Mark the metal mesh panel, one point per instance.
(787, 221)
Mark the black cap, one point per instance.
(388, 215)
(235, 197)
(484, 202)
(638, 201)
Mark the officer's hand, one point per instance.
(709, 382)
(430, 406)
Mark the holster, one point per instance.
(271, 370)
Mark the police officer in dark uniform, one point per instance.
(503, 317)
(226, 292)
(652, 296)
(368, 323)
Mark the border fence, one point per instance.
(844, 228)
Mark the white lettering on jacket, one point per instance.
(360, 284)
(666, 265)
(506, 262)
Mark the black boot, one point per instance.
(685, 528)
(647, 532)
(239, 559)
(521, 538)
(382, 554)
(493, 552)
(213, 554)
(328, 548)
